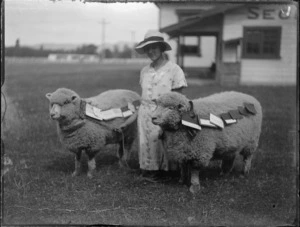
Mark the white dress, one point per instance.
(154, 83)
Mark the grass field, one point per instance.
(39, 188)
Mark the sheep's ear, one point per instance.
(154, 100)
(74, 97)
(180, 108)
(48, 95)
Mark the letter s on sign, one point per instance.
(252, 12)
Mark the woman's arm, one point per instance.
(179, 90)
(128, 121)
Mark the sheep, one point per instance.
(208, 143)
(79, 133)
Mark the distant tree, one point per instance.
(126, 53)
(108, 53)
(25, 52)
(87, 49)
(116, 51)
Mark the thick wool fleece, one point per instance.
(208, 143)
(78, 133)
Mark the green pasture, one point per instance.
(39, 188)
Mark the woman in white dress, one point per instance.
(159, 77)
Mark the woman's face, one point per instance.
(153, 51)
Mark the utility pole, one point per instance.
(103, 24)
(133, 42)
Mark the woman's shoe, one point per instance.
(155, 176)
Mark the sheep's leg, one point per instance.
(227, 165)
(91, 163)
(92, 167)
(247, 164)
(195, 182)
(122, 154)
(184, 173)
(247, 157)
(202, 163)
(77, 163)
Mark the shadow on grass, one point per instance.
(66, 163)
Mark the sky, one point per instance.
(75, 22)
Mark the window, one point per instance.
(261, 42)
(191, 46)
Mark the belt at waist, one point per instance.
(147, 102)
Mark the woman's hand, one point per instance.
(129, 121)
(120, 128)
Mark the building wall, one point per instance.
(73, 58)
(266, 71)
(208, 53)
(231, 53)
(167, 11)
(168, 17)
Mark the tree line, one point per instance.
(23, 51)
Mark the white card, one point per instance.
(192, 125)
(131, 107)
(230, 121)
(216, 121)
(89, 111)
(97, 112)
(127, 113)
(112, 113)
(206, 122)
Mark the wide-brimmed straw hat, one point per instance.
(152, 37)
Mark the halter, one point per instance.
(72, 128)
(190, 131)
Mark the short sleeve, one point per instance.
(178, 78)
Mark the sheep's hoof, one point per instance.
(195, 188)
(90, 175)
(244, 174)
(123, 164)
(246, 171)
(241, 176)
(181, 181)
(75, 174)
(224, 174)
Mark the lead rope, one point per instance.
(123, 148)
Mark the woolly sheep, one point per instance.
(208, 144)
(79, 134)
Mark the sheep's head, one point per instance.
(170, 107)
(64, 105)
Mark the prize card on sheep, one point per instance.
(216, 120)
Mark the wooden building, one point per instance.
(243, 43)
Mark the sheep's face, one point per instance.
(169, 110)
(64, 105)
(167, 117)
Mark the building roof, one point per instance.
(151, 1)
(174, 29)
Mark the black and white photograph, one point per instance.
(149, 113)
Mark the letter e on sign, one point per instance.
(267, 14)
